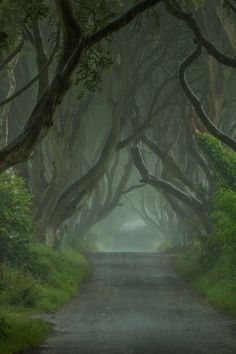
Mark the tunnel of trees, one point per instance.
(113, 103)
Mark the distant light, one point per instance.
(133, 224)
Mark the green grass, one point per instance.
(218, 284)
(48, 281)
(23, 333)
(65, 281)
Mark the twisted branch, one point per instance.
(175, 10)
(196, 102)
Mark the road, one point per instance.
(136, 304)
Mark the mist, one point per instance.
(117, 177)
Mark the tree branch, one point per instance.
(130, 189)
(42, 117)
(170, 162)
(232, 7)
(13, 54)
(121, 22)
(29, 84)
(74, 197)
(192, 149)
(175, 10)
(70, 25)
(196, 102)
(147, 122)
(196, 205)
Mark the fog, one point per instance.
(133, 235)
(117, 176)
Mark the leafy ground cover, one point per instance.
(218, 284)
(50, 280)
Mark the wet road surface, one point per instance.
(136, 304)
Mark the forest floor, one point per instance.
(136, 303)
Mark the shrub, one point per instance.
(4, 325)
(18, 288)
(224, 218)
(42, 262)
(223, 203)
(32, 276)
(16, 225)
(212, 271)
(48, 282)
(22, 333)
(222, 158)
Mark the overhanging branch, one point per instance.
(175, 10)
(196, 102)
(29, 84)
(121, 21)
(191, 201)
(42, 117)
(13, 54)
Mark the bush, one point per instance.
(4, 325)
(63, 279)
(16, 225)
(18, 288)
(42, 262)
(47, 283)
(212, 268)
(22, 333)
(34, 288)
(217, 283)
(33, 277)
(222, 238)
(222, 158)
(224, 218)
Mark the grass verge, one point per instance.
(22, 333)
(48, 280)
(217, 284)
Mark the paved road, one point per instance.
(136, 304)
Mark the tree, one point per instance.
(76, 42)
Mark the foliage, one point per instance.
(217, 284)
(92, 64)
(15, 14)
(32, 276)
(224, 218)
(95, 15)
(92, 17)
(22, 333)
(47, 280)
(223, 203)
(64, 279)
(222, 238)
(211, 268)
(4, 325)
(45, 284)
(221, 157)
(18, 288)
(16, 225)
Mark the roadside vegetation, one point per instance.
(210, 264)
(33, 277)
(93, 116)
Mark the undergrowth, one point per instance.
(217, 283)
(48, 280)
(211, 267)
(33, 277)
